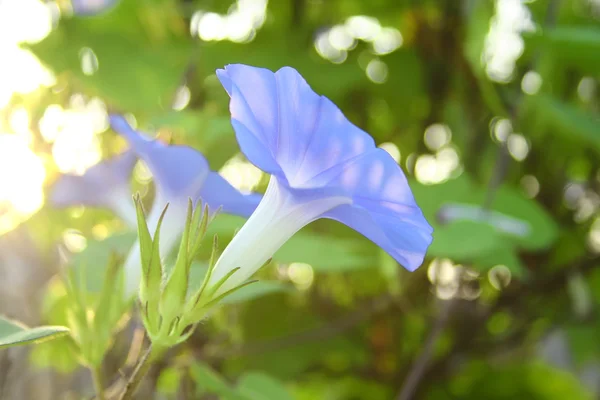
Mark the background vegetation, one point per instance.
(491, 108)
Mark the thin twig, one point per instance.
(137, 343)
(508, 300)
(514, 113)
(419, 366)
(98, 382)
(320, 333)
(138, 374)
(5, 366)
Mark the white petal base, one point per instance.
(278, 216)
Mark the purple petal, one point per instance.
(394, 234)
(96, 186)
(179, 171)
(105, 185)
(91, 7)
(285, 128)
(383, 208)
(217, 192)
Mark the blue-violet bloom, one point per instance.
(91, 7)
(104, 185)
(321, 166)
(179, 173)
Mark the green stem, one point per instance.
(98, 382)
(138, 374)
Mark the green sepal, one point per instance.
(195, 299)
(201, 228)
(174, 292)
(152, 272)
(203, 308)
(144, 236)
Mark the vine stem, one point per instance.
(421, 363)
(138, 374)
(98, 382)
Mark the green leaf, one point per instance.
(578, 46)
(272, 51)
(15, 334)
(60, 354)
(110, 302)
(431, 197)
(479, 379)
(135, 73)
(282, 319)
(568, 120)
(168, 381)
(260, 386)
(208, 381)
(463, 240)
(543, 229)
(96, 257)
(467, 235)
(224, 225)
(326, 253)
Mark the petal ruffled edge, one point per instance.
(178, 171)
(404, 237)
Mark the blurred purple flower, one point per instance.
(104, 185)
(321, 166)
(180, 173)
(91, 7)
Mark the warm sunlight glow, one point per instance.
(21, 177)
(74, 133)
(241, 174)
(22, 21)
(76, 147)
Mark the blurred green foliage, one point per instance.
(513, 194)
(14, 334)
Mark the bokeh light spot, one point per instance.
(518, 146)
(377, 71)
(531, 82)
(437, 136)
(387, 41)
(392, 150)
(241, 174)
(301, 274)
(530, 185)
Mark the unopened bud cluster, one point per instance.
(169, 312)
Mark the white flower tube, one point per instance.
(277, 218)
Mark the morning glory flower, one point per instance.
(180, 173)
(321, 166)
(91, 7)
(104, 185)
